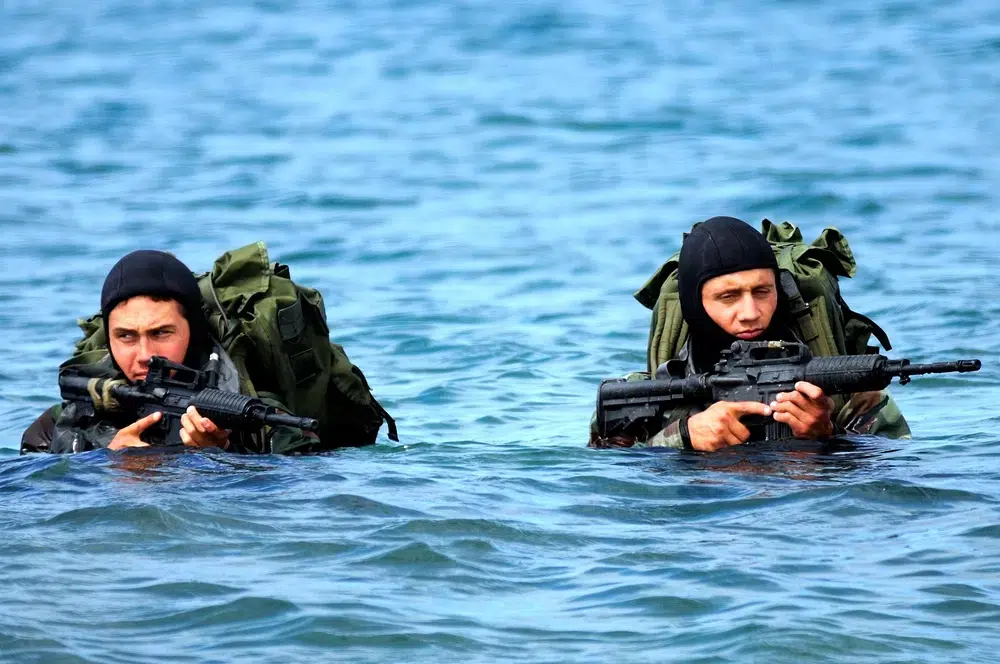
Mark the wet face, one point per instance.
(741, 303)
(142, 327)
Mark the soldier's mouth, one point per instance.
(750, 334)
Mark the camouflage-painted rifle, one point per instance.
(751, 371)
(170, 388)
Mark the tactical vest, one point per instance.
(276, 333)
(809, 282)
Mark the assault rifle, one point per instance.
(751, 371)
(170, 388)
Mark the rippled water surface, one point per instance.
(477, 188)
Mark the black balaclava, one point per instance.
(156, 273)
(718, 246)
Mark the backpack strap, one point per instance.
(801, 310)
(876, 330)
(393, 433)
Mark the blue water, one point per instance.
(477, 188)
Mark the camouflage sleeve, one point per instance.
(874, 413)
(38, 436)
(289, 440)
(77, 429)
(669, 436)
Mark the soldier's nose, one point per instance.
(749, 310)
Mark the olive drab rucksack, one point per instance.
(276, 333)
(809, 281)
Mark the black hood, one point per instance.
(718, 246)
(157, 273)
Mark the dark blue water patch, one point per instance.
(221, 617)
(302, 552)
(417, 555)
(151, 521)
(959, 590)
(31, 650)
(962, 608)
(444, 529)
(361, 506)
(654, 606)
(505, 120)
(186, 590)
(78, 167)
(338, 633)
(817, 645)
(987, 532)
(620, 126)
(911, 494)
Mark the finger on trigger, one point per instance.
(145, 423)
(753, 408)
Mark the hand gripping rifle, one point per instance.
(170, 388)
(751, 371)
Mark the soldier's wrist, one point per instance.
(685, 434)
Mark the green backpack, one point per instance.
(276, 333)
(809, 280)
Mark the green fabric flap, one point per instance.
(830, 248)
(648, 294)
(240, 275)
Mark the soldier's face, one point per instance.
(142, 327)
(741, 303)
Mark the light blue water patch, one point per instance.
(477, 189)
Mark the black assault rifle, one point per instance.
(751, 371)
(170, 388)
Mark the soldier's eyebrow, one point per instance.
(166, 327)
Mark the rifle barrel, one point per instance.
(280, 419)
(959, 366)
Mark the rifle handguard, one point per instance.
(225, 408)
